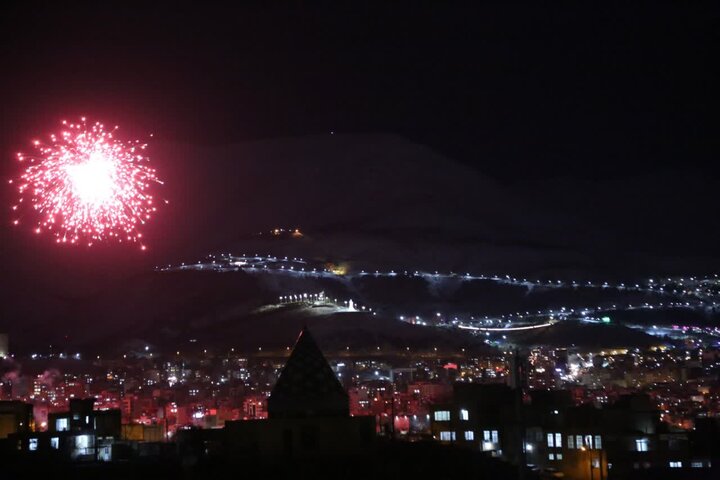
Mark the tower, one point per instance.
(307, 386)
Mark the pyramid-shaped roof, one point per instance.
(307, 386)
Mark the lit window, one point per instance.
(32, 444)
(558, 456)
(464, 414)
(55, 443)
(578, 441)
(82, 441)
(641, 444)
(558, 440)
(447, 436)
(571, 441)
(442, 416)
(490, 436)
(62, 425)
(588, 441)
(598, 442)
(550, 440)
(696, 464)
(675, 464)
(469, 435)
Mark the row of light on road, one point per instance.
(652, 286)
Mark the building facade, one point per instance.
(548, 433)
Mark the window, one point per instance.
(588, 441)
(675, 464)
(558, 456)
(32, 444)
(489, 447)
(696, 464)
(598, 442)
(464, 414)
(55, 443)
(578, 441)
(486, 435)
(447, 436)
(62, 425)
(105, 453)
(551, 456)
(494, 436)
(442, 416)
(82, 441)
(469, 435)
(554, 440)
(571, 441)
(641, 444)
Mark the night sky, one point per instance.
(537, 90)
(574, 94)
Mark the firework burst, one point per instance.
(87, 186)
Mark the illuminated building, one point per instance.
(254, 406)
(579, 441)
(15, 417)
(479, 415)
(80, 434)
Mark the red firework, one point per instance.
(87, 186)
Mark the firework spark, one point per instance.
(87, 186)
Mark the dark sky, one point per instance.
(517, 91)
